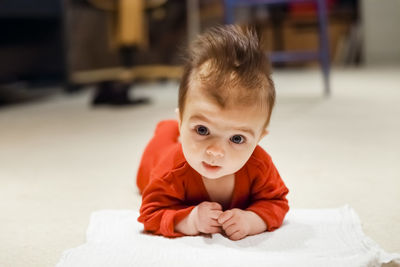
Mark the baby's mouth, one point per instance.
(210, 167)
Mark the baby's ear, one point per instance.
(178, 116)
(263, 134)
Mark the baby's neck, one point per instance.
(221, 189)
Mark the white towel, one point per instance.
(323, 237)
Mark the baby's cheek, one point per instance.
(193, 149)
(195, 146)
(242, 151)
(241, 157)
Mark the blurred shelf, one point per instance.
(150, 72)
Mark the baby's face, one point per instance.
(217, 142)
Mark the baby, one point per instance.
(205, 173)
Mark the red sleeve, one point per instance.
(162, 206)
(268, 195)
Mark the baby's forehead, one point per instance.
(203, 107)
(227, 95)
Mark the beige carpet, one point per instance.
(60, 159)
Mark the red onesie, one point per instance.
(171, 188)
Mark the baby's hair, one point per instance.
(227, 62)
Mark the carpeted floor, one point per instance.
(60, 159)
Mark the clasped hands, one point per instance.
(208, 218)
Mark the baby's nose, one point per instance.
(215, 151)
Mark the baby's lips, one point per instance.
(209, 166)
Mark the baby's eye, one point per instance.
(238, 139)
(202, 130)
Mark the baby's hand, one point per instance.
(205, 217)
(235, 223)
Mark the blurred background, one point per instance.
(75, 43)
(84, 82)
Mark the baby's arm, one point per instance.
(163, 206)
(202, 219)
(163, 211)
(268, 198)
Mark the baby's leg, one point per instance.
(165, 135)
(167, 131)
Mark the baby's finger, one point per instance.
(236, 236)
(215, 206)
(228, 224)
(214, 230)
(214, 214)
(225, 216)
(229, 231)
(214, 222)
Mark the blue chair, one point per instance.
(322, 55)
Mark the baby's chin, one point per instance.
(212, 175)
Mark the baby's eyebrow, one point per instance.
(199, 117)
(246, 130)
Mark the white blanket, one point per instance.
(324, 237)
